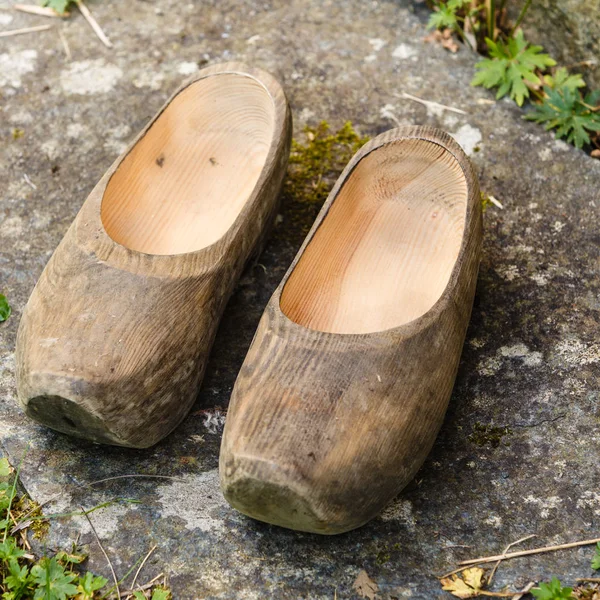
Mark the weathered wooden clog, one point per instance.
(348, 378)
(114, 340)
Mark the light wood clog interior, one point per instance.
(385, 251)
(184, 183)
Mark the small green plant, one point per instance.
(573, 115)
(474, 20)
(512, 66)
(552, 591)
(520, 70)
(158, 593)
(596, 558)
(448, 15)
(60, 6)
(5, 308)
(23, 577)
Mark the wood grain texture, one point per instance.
(114, 340)
(328, 421)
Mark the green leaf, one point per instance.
(161, 594)
(5, 308)
(73, 557)
(60, 6)
(9, 550)
(7, 495)
(596, 558)
(564, 109)
(442, 19)
(53, 582)
(18, 581)
(512, 63)
(561, 78)
(88, 585)
(4, 467)
(552, 591)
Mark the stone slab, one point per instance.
(531, 362)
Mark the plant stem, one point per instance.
(13, 492)
(461, 32)
(591, 108)
(490, 7)
(521, 16)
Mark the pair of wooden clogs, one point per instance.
(349, 374)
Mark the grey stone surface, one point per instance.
(570, 31)
(531, 362)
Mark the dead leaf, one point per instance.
(467, 586)
(444, 38)
(595, 153)
(365, 586)
(586, 593)
(474, 577)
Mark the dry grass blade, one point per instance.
(141, 588)
(487, 559)
(430, 103)
(142, 566)
(93, 23)
(134, 476)
(24, 30)
(103, 552)
(65, 44)
(41, 11)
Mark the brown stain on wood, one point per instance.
(114, 340)
(347, 381)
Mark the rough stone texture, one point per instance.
(570, 32)
(531, 362)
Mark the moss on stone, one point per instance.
(484, 435)
(315, 163)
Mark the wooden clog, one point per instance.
(114, 340)
(346, 383)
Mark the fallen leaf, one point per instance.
(365, 586)
(474, 577)
(444, 38)
(595, 153)
(467, 586)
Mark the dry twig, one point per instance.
(487, 559)
(504, 552)
(524, 591)
(24, 30)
